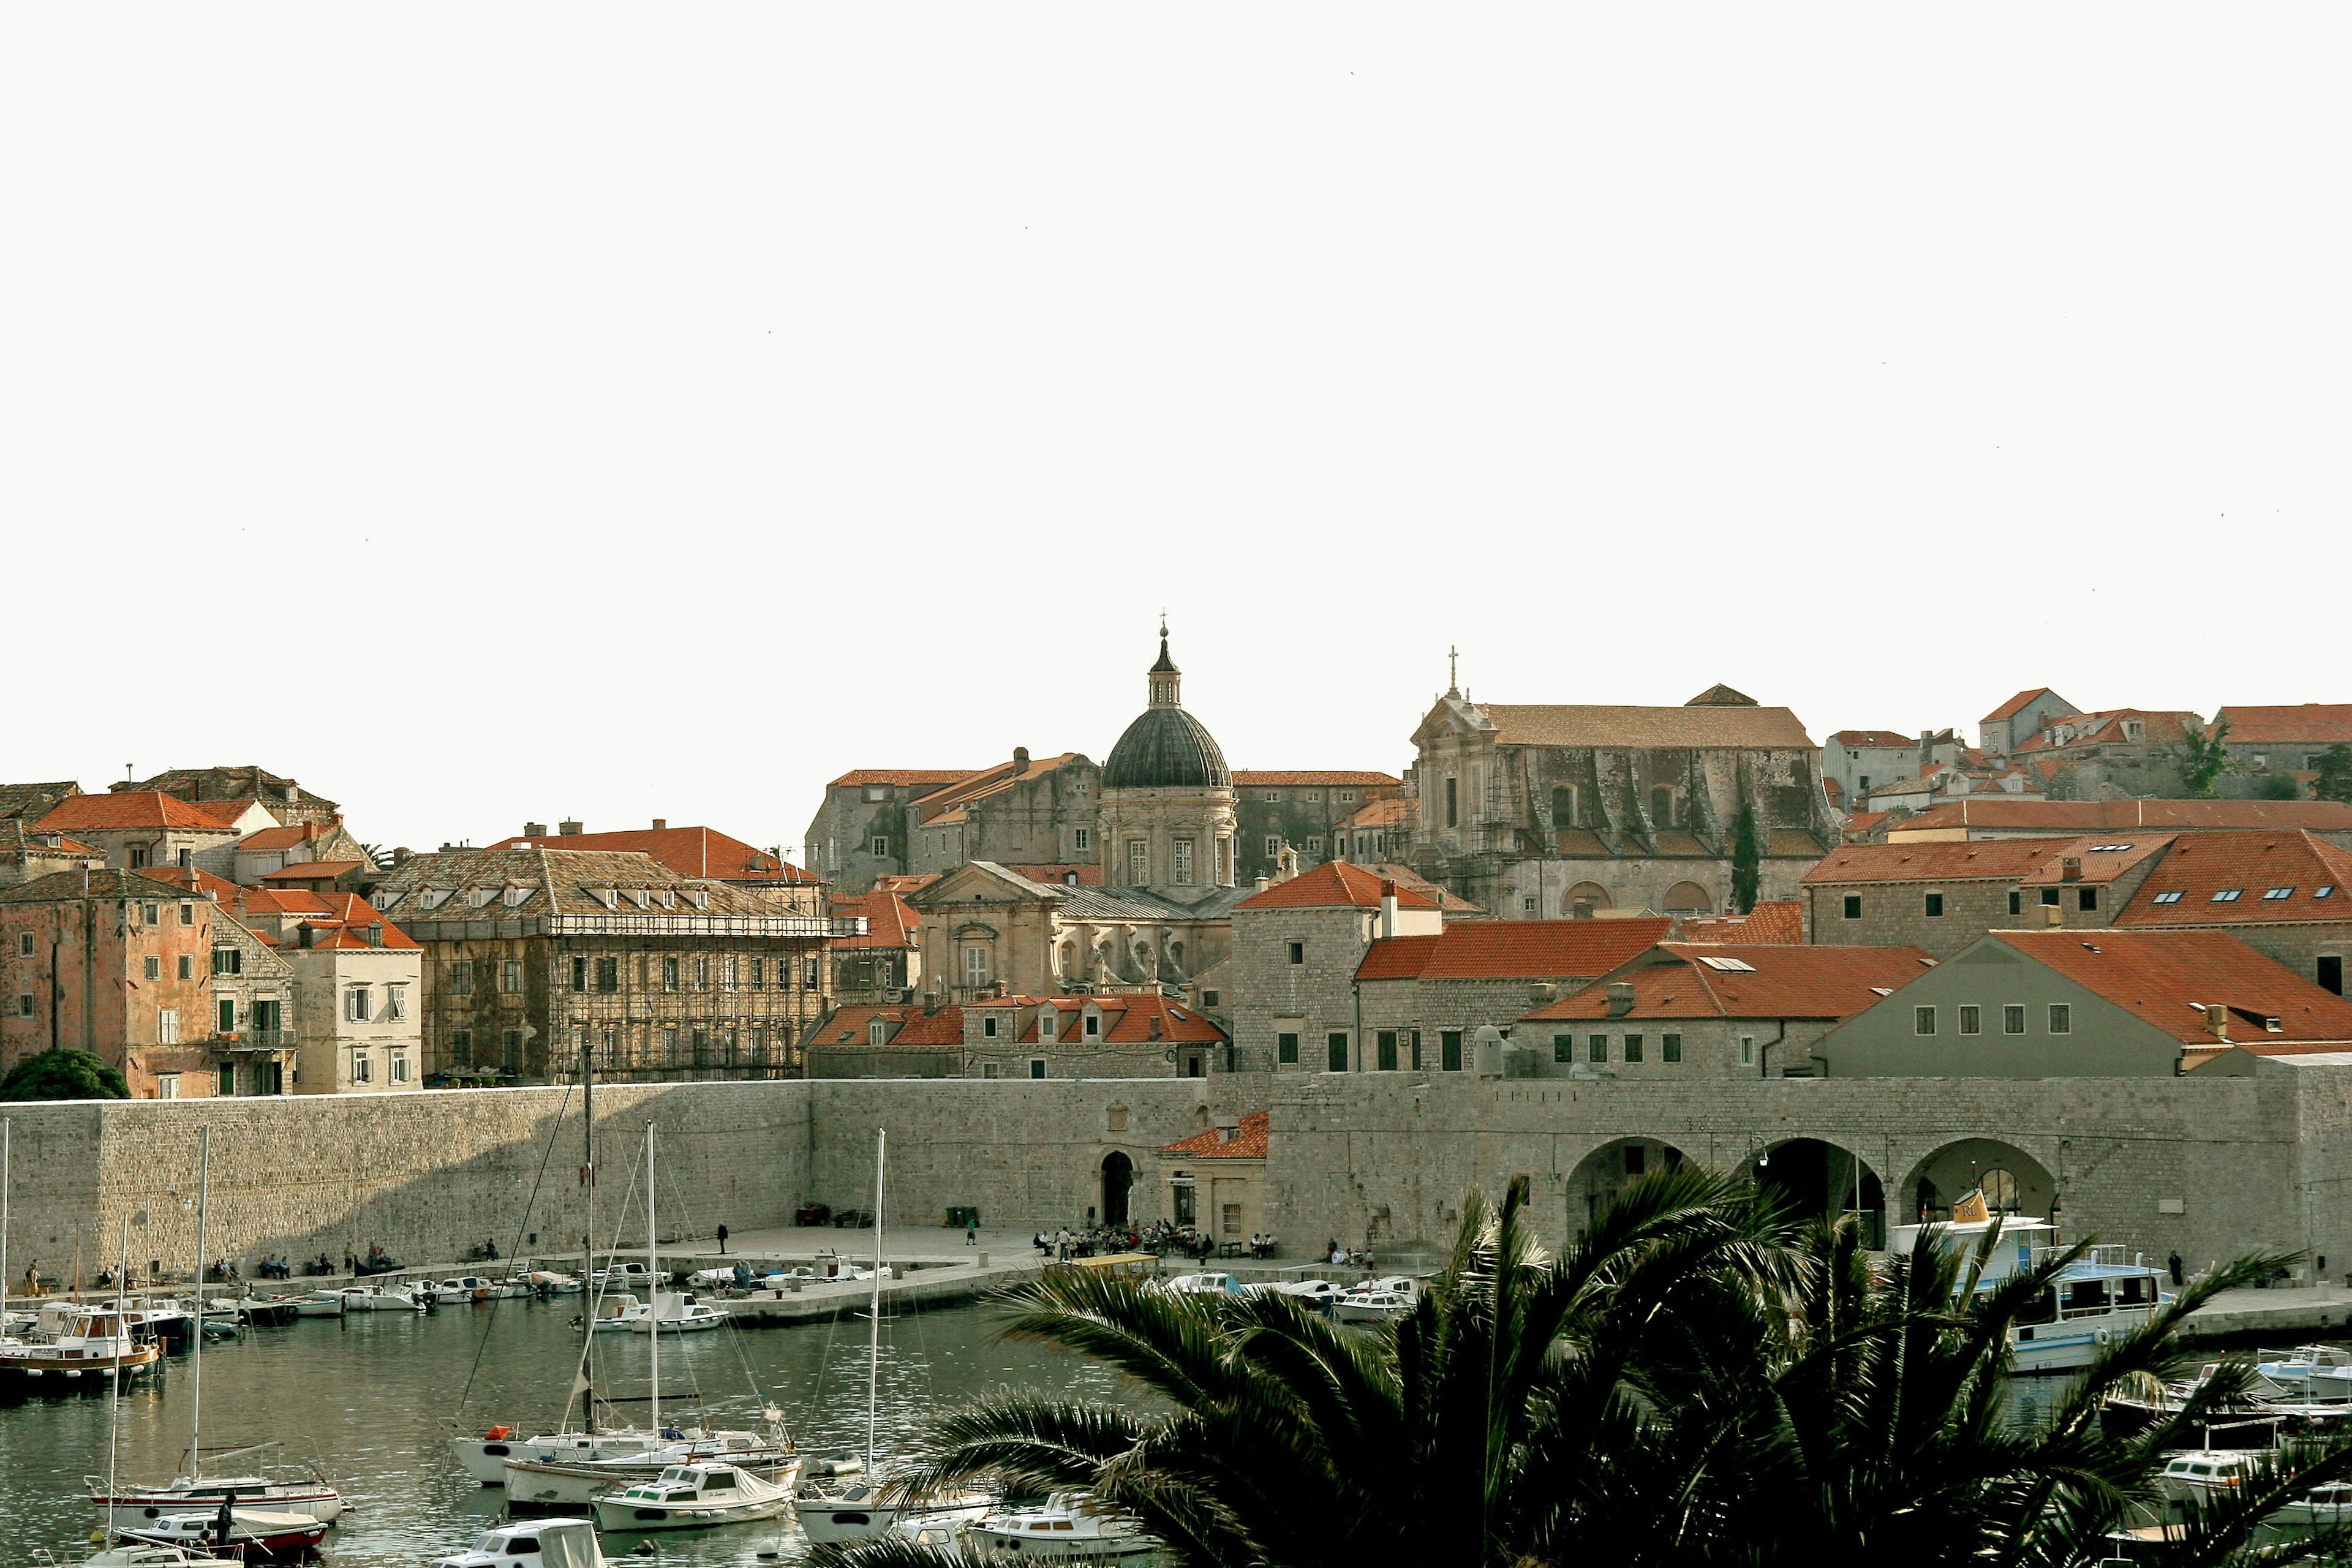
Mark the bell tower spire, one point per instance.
(1166, 682)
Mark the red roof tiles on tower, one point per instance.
(1332, 885)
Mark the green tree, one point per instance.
(1747, 859)
(63, 1075)
(2335, 780)
(2204, 758)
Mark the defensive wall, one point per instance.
(2209, 1166)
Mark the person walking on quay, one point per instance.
(972, 1233)
(722, 1241)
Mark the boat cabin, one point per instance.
(2021, 1239)
(541, 1544)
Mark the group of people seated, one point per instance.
(1262, 1245)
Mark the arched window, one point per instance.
(1689, 899)
(1563, 806)
(1586, 897)
(1662, 806)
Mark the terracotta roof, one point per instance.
(849, 1025)
(1390, 811)
(1685, 981)
(688, 851)
(312, 871)
(288, 901)
(1986, 859)
(1514, 950)
(2017, 704)
(191, 879)
(1089, 874)
(1406, 878)
(139, 808)
(2317, 723)
(889, 922)
(34, 799)
(2102, 729)
(2162, 977)
(1590, 725)
(1244, 779)
(1872, 738)
(2110, 816)
(1128, 1019)
(284, 837)
(1774, 920)
(1331, 885)
(2299, 868)
(1864, 821)
(1249, 1141)
(904, 776)
(347, 917)
(904, 882)
(96, 884)
(989, 781)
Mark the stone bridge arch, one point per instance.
(2012, 1180)
(1820, 1179)
(1607, 1171)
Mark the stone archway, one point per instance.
(1586, 897)
(1819, 1180)
(1608, 1171)
(1117, 1180)
(2012, 1181)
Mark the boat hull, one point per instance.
(538, 1485)
(846, 1519)
(621, 1513)
(323, 1504)
(277, 1541)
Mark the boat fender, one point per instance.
(496, 1433)
(2104, 1334)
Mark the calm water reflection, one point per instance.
(371, 1397)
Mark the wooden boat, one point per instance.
(691, 1497)
(72, 1345)
(262, 1535)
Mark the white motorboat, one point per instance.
(71, 1343)
(485, 1457)
(141, 1554)
(2320, 1374)
(320, 1304)
(1319, 1295)
(1201, 1285)
(2327, 1506)
(537, 1543)
(689, 1497)
(257, 1532)
(549, 1282)
(1068, 1526)
(281, 1489)
(380, 1298)
(615, 1311)
(2094, 1300)
(458, 1292)
(675, 1312)
(2205, 1475)
(1375, 1301)
(547, 1480)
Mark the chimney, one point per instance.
(930, 1004)
(1020, 759)
(2217, 1018)
(1388, 908)
(2070, 870)
(568, 829)
(1262, 884)
(400, 854)
(661, 825)
(534, 830)
(1155, 1026)
(1542, 995)
(1621, 998)
(2052, 915)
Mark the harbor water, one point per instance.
(373, 1398)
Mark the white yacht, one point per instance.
(485, 1457)
(2321, 1375)
(1375, 1302)
(382, 1299)
(73, 1343)
(1067, 1527)
(538, 1543)
(688, 1497)
(2099, 1295)
(547, 1479)
(675, 1312)
(2205, 1475)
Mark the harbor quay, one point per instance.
(2204, 1168)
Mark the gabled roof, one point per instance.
(1514, 950)
(1775, 921)
(141, 808)
(1601, 725)
(1089, 875)
(1389, 811)
(1246, 779)
(1874, 737)
(190, 879)
(889, 921)
(311, 871)
(2165, 978)
(902, 776)
(287, 838)
(345, 924)
(2105, 729)
(2313, 723)
(990, 781)
(1249, 1141)
(1693, 979)
(554, 881)
(2104, 857)
(851, 1026)
(1405, 877)
(2312, 879)
(60, 886)
(1335, 884)
(1999, 811)
(2018, 704)
(688, 851)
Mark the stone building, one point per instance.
(33, 802)
(533, 955)
(360, 982)
(2112, 755)
(114, 964)
(1722, 1010)
(1295, 948)
(138, 829)
(1940, 897)
(2272, 748)
(2009, 726)
(1315, 813)
(884, 962)
(310, 842)
(1131, 1033)
(1216, 1181)
(863, 828)
(2287, 896)
(897, 1040)
(254, 1036)
(704, 854)
(1538, 812)
(27, 853)
(284, 801)
(1026, 812)
(1982, 818)
(983, 925)
(1169, 811)
(1419, 1001)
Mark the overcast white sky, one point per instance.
(483, 413)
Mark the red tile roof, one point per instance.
(703, 852)
(1985, 859)
(194, 880)
(945, 804)
(904, 882)
(1334, 884)
(1249, 1141)
(2298, 866)
(2162, 977)
(847, 1026)
(1128, 1019)
(284, 837)
(139, 808)
(348, 915)
(2324, 723)
(311, 871)
(2109, 816)
(1405, 877)
(904, 776)
(889, 922)
(280, 902)
(1780, 982)
(2017, 704)
(1246, 779)
(1872, 738)
(2104, 729)
(1390, 811)
(1774, 920)
(1514, 950)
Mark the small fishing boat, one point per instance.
(538, 1543)
(2206, 1476)
(615, 1311)
(262, 1535)
(73, 1345)
(1377, 1301)
(675, 1312)
(380, 1298)
(1067, 1527)
(549, 1282)
(318, 1304)
(549, 1483)
(689, 1497)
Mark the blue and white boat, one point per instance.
(2093, 1301)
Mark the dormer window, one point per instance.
(608, 897)
(1046, 1020)
(701, 899)
(384, 900)
(877, 1032)
(640, 896)
(432, 898)
(515, 897)
(1094, 1025)
(668, 896)
(479, 898)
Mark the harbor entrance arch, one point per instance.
(2012, 1181)
(1118, 1176)
(1819, 1180)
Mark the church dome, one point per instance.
(1166, 748)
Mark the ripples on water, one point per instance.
(370, 1397)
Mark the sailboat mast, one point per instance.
(197, 1345)
(588, 1242)
(114, 1392)
(653, 1268)
(7, 1131)
(874, 1327)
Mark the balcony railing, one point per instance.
(255, 1040)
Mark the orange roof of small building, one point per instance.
(906, 882)
(1089, 875)
(948, 803)
(280, 902)
(1872, 738)
(2325, 723)
(140, 808)
(285, 838)
(1129, 1018)
(1244, 778)
(1865, 821)
(1405, 877)
(1776, 921)
(1248, 1141)
(2104, 729)
(1695, 980)
(852, 1025)
(2274, 877)
(889, 921)
(1335, 884)
(2017, 704)
(347, 917)
(902, 776)
(689, 851)
(312, 871)
(2167, 978)
(2102, 858)
(1514, 950)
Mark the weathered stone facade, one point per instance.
(1304, 811)
(865, 828)
(112, 963)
